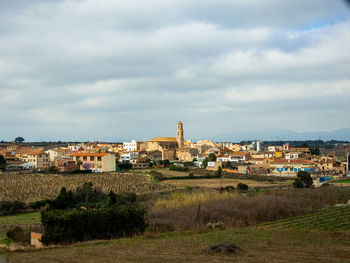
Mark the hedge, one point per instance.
(68, 226)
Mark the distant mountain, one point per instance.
(283, 135)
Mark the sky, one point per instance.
(114, 70)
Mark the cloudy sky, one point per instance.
(115, 70)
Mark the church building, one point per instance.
(172, 148)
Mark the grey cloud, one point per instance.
(115, 70)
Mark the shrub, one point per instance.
(305, 178)
(156, 176)
(17, 234)
(174, 167)
(84, 196)
(67, 226)
(191, 175)
(218, 172)
(242, 186)
(298, 183)
(10, 208)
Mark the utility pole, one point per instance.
(276, 205)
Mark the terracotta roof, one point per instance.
(240, 154)
(164, 139)
(296, 161)
(89, 154)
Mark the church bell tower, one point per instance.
(180, 134)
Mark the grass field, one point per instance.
(328, 219)
(257, 245)
(342, 182)
(26, 218)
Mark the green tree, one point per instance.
(298, 183)
(205, 163)
(218, 172)
(212, 157)
(304, 180)
(19, 140)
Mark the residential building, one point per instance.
(66, 165)
(131, 146)
(99, 162)
(292, 167)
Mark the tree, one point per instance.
(79, 163)
(298, 183)
(86, 166)
(2, 162)
(218, 172)
(205, 163)
(19, 140)
(315, 150)
(212, 157)
(304, 180)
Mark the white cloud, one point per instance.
(137, 67)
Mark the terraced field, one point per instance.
(328, 219)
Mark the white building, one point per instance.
(129, 156)
(131, 146)
(291, 156)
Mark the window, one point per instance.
(84, 158)
(99, 158)
(78, 158)
(92, 158)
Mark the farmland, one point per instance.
(327, 219)
(218, 182)
(33, 187)
(257, 245)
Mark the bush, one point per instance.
(242, 186)
(191, 175)
(174, 167)
(228, 188)
(86, 196)
(305, 178)
(298, 183)
(218, 172)
(156, 176)
(67, 226)
(11, 208)
(17, 234)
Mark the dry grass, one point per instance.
(33, 187)
(246, 210)
(257, 246)
(217, 182)
(180, 199)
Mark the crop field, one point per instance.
(218, 182)
(33, 187)
(328, 219)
